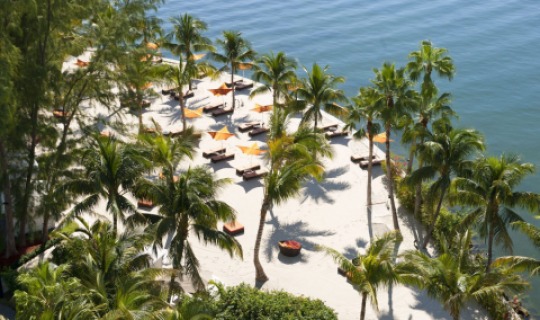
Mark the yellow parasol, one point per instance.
(261, 109)
(191, 114)
(245, 66)
(222, 91)
(151, 45)
(222, 134)
(196, 57)
(252, 150)
(381, 138)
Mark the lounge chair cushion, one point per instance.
(375, 162)
(252, 174)
(222, 111)
(211, 153)
(243, 85)
(233, 228)
(240, 171)
(222, 157)
(257, 131)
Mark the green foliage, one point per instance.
(245, 302)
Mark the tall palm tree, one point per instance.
(394, 101)
(319, 93)
(180, 76)
(187, 203)
(110, 171)
(445, 153)
(364, 109)
(457, 277)
(275, 72)
(369, 271)
(188, 34)
(236, 50)
(425, 61)
(490, 191)
(292, 162)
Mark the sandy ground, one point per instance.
(332, 213)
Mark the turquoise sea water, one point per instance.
(495, 46)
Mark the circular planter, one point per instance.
(290, 248)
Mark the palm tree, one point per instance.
(364, 108)
(425, 61)
(373, 269)
(111, 169)
(394, 102)
(456, 277)
(292, 162)
(319, 92)
(275, 72)
(180, 76)
(490, 191)
(188, 203)
(47, 292)
(188, 33)
(236, 50)
(445, 153)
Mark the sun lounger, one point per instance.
(256, 131)
(328, 127)
(237, 82)
(222, 111)
(240, 171)
(337, 133)
(211, 108)
(233, 228)
(357, 159)
(145, 203)
(59, 114)
(252, 174)
(188, 94)
(167, 91)
(211, 153)
(375, 162)
(222, 157)
(243, 127)
(242, 86)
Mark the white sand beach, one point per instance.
(332, 213)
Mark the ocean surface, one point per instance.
(495, 46)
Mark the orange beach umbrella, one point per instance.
(244, 66)
(191, 114)
(151, 45)
(261, 109)
(196, 57)
(223, 90)
(381, 138)
(222, 134)
(252, 150)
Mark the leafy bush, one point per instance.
(245, 302)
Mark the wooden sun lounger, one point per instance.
(240, 171)
(168, 91)
(328, 127)
(188, 94)
(337, 133)
(242, 86)
(357, 159)
(243, 127)
(59, 114)
(211, 108)
(222, 111)
(145, 203)
(237, 82)
(375, 162)
(211, 153)
(251, 174)
(256, 131)
(222, 157)
(233, 228)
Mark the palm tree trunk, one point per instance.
(432, 226)
(491, 236)
(411, 157)
(171, 287)
(363, 309)
(370, 166)
(260, 276)
(232, 83)
(11, 248)
(390, 180)
(182, 110)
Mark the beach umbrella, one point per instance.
(245, 66)
(196, 57)
(221, 135)
(381, 138)
(191, 114)
(151, 45)
(252, 150)
(222, 91)
(262, 109)
(81, 63)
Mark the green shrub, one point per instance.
(245, 302)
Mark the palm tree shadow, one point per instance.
(343, 140)
(319, 191)
(352, 252)
(220, 165)
(334, 173)
(298, 231)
